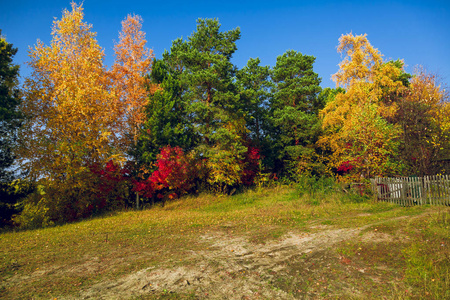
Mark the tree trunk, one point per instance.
(135, 144)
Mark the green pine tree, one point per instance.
(255, 89)
(213, 102)
(295, 107)
(166, 118)
(10, 116)
(10, 120)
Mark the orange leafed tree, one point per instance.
(71, 111)
(133, 62)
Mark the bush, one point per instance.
(174, 176)
(99, 189)
(10, 195)
(110, 187)
(315, 185)
(251, 165)
(34, 211)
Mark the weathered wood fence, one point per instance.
(407, 191)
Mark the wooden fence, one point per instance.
(407, 191)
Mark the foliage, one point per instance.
(34, 213)
(360, 61)
(212, 101)
(133, 61)
(52, 203)
(294, 107)
(356, 122)
(10, 122)
(252, 164)
(110, 187)
(371, 145)
(10, 116)
(424, 122)
(174, 172)
(11, 194)
(192, 120)
(166, 121)
(71, 115)
(223, 159)
(208, 76)
(174, 176)
(253, 82)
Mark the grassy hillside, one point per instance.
(273, 243)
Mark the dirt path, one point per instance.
(231, 267)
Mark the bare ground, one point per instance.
(297, 265)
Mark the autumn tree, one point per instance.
(294, 107)
(372, 88)
(111, 183)
(424, 120)
(133, 61)
(71, 116)
(174, 175)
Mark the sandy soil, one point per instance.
(231, 267)
(297, 265)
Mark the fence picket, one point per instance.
(407, 191)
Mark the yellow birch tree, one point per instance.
(355, 122)
(71, 112)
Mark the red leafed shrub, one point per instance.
(145, 188)
(251, 166)
(345, 167)
(110, 185)
(350, 165)
(173, 171)
(173, 177)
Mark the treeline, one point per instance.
(88, 139)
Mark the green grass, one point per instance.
(35, 264)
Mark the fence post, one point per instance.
(402, 184)
(422, 192)
(447, 183)
(447, 190)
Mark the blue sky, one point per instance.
(416, 31)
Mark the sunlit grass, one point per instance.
(124, 242)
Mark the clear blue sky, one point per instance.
(417, 31)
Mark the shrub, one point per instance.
(251, 164)
(10, 195)
(173, 177)
(110, 187)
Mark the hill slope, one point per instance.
(274, 243)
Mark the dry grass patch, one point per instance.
(273, 243)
